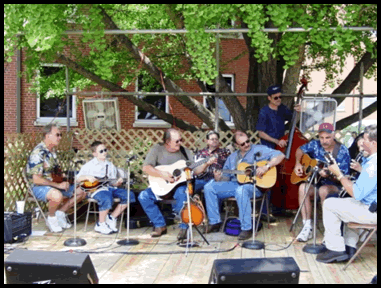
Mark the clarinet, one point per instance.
(342, 192)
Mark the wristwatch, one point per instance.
(268, 166)
(340, 177)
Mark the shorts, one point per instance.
(41, 191)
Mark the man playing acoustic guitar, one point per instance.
(167, 153)
(316, 149)
(227, 185)
(39, 171)
(96, 169)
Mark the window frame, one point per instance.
(61, 121)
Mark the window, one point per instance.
(142, 117)
(53, 109)
(366, 101)
(222, 110)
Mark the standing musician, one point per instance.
(96, 169)
(166, 153)
(360, 208)
(316, 149)
(39, 171)
(213, 147)
(271, 127)
(226, 185)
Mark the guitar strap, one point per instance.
(336, 149)
(182, 150)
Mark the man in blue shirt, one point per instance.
(271, 119)
(316, 150)
(226, 185)
(354, 209)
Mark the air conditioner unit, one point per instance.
(317, 110)
(101, 114)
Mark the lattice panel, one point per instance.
(120, 144)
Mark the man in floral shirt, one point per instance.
(39, 168)
(316, 150)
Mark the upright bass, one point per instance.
(285, 194)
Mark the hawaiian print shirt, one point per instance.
(222, 153)
(41, 161)
(316, 151)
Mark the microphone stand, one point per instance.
(254, 244)
(308, 248)
(128, 241)
(75, 242)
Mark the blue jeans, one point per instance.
(199, 184)
(41, 191)
(105, 198)
(149, 204)
(221, 190)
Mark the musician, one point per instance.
(271, 119)
(166, 153)
(354, 150)
(97, 168)
(213, 148)
(316, 149)
(271, 127)
(226, 185)
(40, 166)
(359, 208)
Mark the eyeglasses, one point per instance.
(278, 97)
(180, 140)
(59, 134)
(246, 142)
(213, 139)
(104, 150)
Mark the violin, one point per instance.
(197, 210)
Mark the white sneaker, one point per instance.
(61, 216)
(53, 224)
(111, 222)
(305, 234)
(102, 228)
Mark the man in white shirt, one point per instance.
(99, 167)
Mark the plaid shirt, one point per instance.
(222, 153)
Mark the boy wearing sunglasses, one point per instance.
(39, 172)
(271, 119)
(97, 168)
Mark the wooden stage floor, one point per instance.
(160, 260)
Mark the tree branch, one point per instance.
(355, 117)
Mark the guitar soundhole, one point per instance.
(176, 172)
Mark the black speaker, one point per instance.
(255, 271)
(46, 267)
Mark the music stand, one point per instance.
(128, 241)
(75, 242)
(310, 248)
(254, 244)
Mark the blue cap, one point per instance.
(274, 90)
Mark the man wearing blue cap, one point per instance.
(271, 119)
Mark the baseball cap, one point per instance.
(326, 127)
(274, 89)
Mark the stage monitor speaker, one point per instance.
(47, 267)
(255, 271)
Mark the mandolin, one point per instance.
(245, 170)
(90, 187)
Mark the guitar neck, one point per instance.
(227, 171)
(199, 163)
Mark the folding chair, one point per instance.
(371, 227)
(29, 196)
(95, 212)
(228, 208)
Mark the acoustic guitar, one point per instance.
(245, 170)
(161, 187)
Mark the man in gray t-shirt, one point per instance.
(166, 154)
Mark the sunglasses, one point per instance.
(278, 97)
(178, 141)
(104, 150)
(246, 142)
(59, 134)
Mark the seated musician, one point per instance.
(226, 185)
(96, 168)
(166, 153)
(316, 149)
(359, 208)
(213, 147)
(39, 171)
(271, 127)
(354, 150)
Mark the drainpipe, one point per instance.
(18, 91)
